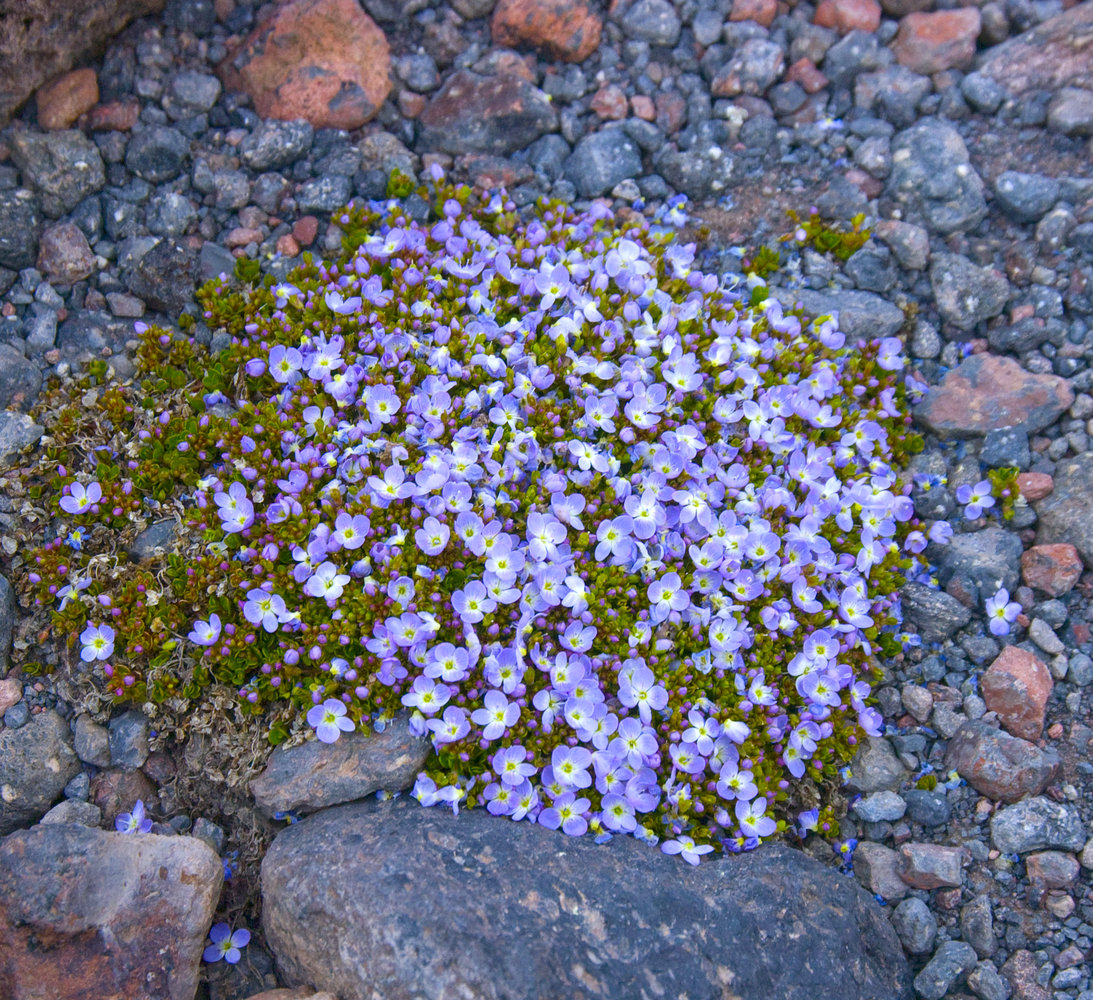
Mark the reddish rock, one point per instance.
(561, 29)
(610, 103)
(930, 866)
(877, 867)
(1020, 971)
(410, 104)
(1052, 869)
(986, 393)
(115, 116)
(61, 101)
(115, 791)
(287, 246)
(945, 39)
(1017, 686)
(477, 114)
(671, 111)
(305, 230)
(1049, 57)
(804, 72)
(64, 255)
(848, 15)
(40, 39)
(1000, 766)
(1035, 485)
(323, 60)
(91, 913)
(1054, 569)
(643, 107)
(760, 11)
(242, 236)
(11, 693)
(492, 172)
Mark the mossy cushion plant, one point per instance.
(622, 542)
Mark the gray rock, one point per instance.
(74, 811)
(418, 71)
(952, 961)
(324, 195)
(7, 595)
(91, 741)
(880, 806)
(652, 21)
(1037, 824)
(909, 244)
(982, 93)
(20, 379)
(207, 831)
(17, 716)
(985, 982)
(1081, 238)
(128, 735)
(1079, 671)
(1041, 633)
(1004, 447)
(915, 925)
(859, 52)
(157, 153)
(601, 160)
(707, 26)
(79, 787)
(317, 775)
(591, 919)
(92, 913)
(966, 294)
(705, 170)
(41, 329)
(1066, 514)
(275, 144)
(214, 260)
(190, 92)
(477, 114)
(977, 926)
(1025, 197)
(935, 614)
(876, 868)
(927, 808)
(991, 558)
(20, 222)
(933, 176)
(158, 537)
(754, 66)
(64, 167)
(998, 765)
(165, 277)
(36, 762)
(232, 189)
(170, 214)
(860, 314)
(1071, 111)
(871, 270)
(875, 767)
(17, 431)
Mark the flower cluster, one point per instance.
(621, 542)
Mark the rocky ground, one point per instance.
(205, 133)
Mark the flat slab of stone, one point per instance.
(418, 903)
(90, 913)
(1047, 57)
(985, 393)
(315, 775)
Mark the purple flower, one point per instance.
(206, 633)
(226, 944)
(639, 687)
(432, 536)
(136, 821)
(80, 499)
(1001, 612)
(570, 765)
(753, 820)
(686, 848)
(98, 643)
(326, 582)
(976, 499)
(498, 715)
(329, 720)
(473, 602)
(451, 727)
(568, 812)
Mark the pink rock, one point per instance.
(1054, 569)
(561, 29)
(848, 15)
(760, 11)
(63, 100)
(323, 60)
(931, 42)
(877, 867)
(1017, 686)
(1049, 57)
(930, 866)
(610, 103)
(64, 254)
(1035, 485)
(11, 693)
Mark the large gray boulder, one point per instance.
(388, 899)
